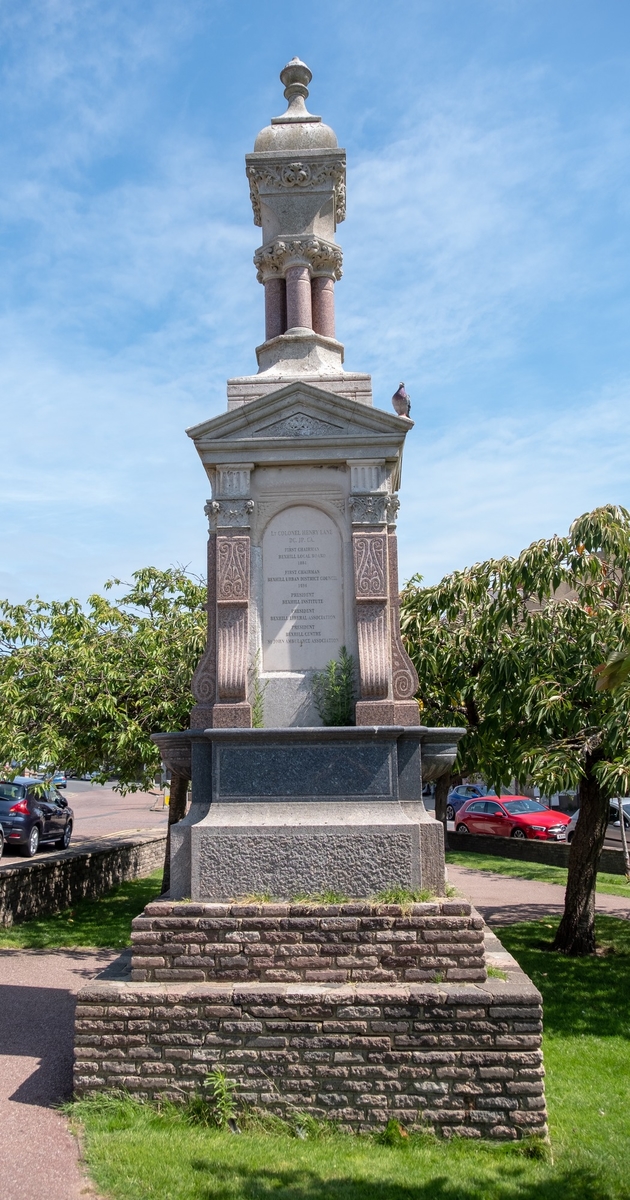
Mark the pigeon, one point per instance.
(401, 401)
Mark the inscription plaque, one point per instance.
(302, 593)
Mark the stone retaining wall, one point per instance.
(531, 850)
(462, 1060)
(41, 886)
(344, 943)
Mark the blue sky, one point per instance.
(486, 262)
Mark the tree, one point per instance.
(84, 689)
(515, 645)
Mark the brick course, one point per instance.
(461, 1059)
(284, 943)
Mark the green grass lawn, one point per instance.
(135, 1153)
(91, 923)
(610, 885)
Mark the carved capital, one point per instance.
(393, 504)
(326, 173)
(321, 257)
(229, 514)
(369, 509)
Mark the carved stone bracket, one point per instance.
(404, 676)
(371, 591)
(232, 632)
(229, 514)
(277, 176)
(373, 656)
(204, 681)
(369, 509)
(321, 257)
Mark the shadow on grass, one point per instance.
(580, 995)
(243, 1183)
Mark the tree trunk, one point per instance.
(176, 810)
(442, 789)
(576, 931)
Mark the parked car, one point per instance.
(512, 816)
(459, 796)
(33, 813)
(613, 831)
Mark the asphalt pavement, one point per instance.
(39, 1157)
(100, 811)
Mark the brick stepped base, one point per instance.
(344, 943)
(462, 1060)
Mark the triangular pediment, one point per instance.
(299, 411)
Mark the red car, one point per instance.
(512, 816)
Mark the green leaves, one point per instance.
(513, 648)
(85, 688)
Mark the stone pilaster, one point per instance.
(220, 681)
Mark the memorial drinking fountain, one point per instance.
(302, 562)
(357, 1011)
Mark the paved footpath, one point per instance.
(39, 1157)
(502, 900)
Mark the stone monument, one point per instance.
(302, 562)
(357, 1011)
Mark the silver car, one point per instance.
(613, 832)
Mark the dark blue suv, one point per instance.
(31, 813)
(462, 793)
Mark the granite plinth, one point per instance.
(292, 811)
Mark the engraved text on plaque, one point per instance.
(302, 590)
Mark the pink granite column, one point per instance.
(323, 297)
(275, 307)
(299, 310)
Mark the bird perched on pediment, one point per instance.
(401, 401)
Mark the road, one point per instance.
(99, 810)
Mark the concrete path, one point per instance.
(38, 1155)
(502, 900)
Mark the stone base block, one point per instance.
(231, 716)
(387, 712)
(323, 943)
(287, 850)
(462, 1060)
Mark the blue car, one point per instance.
(33, 813)
(462, 793)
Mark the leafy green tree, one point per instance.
(84, 688)
(514, 647)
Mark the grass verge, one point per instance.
(136, 1153)
(610, 885)
(93, 924)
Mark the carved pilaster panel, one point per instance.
(370, 565)
(232, 568)
(204, 679)
(232, 634)
(373, 649)
(404, 675)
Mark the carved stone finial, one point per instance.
(296, 77)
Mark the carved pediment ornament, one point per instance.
(298, 175)
(324, 258)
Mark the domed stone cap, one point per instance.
(297, 129)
